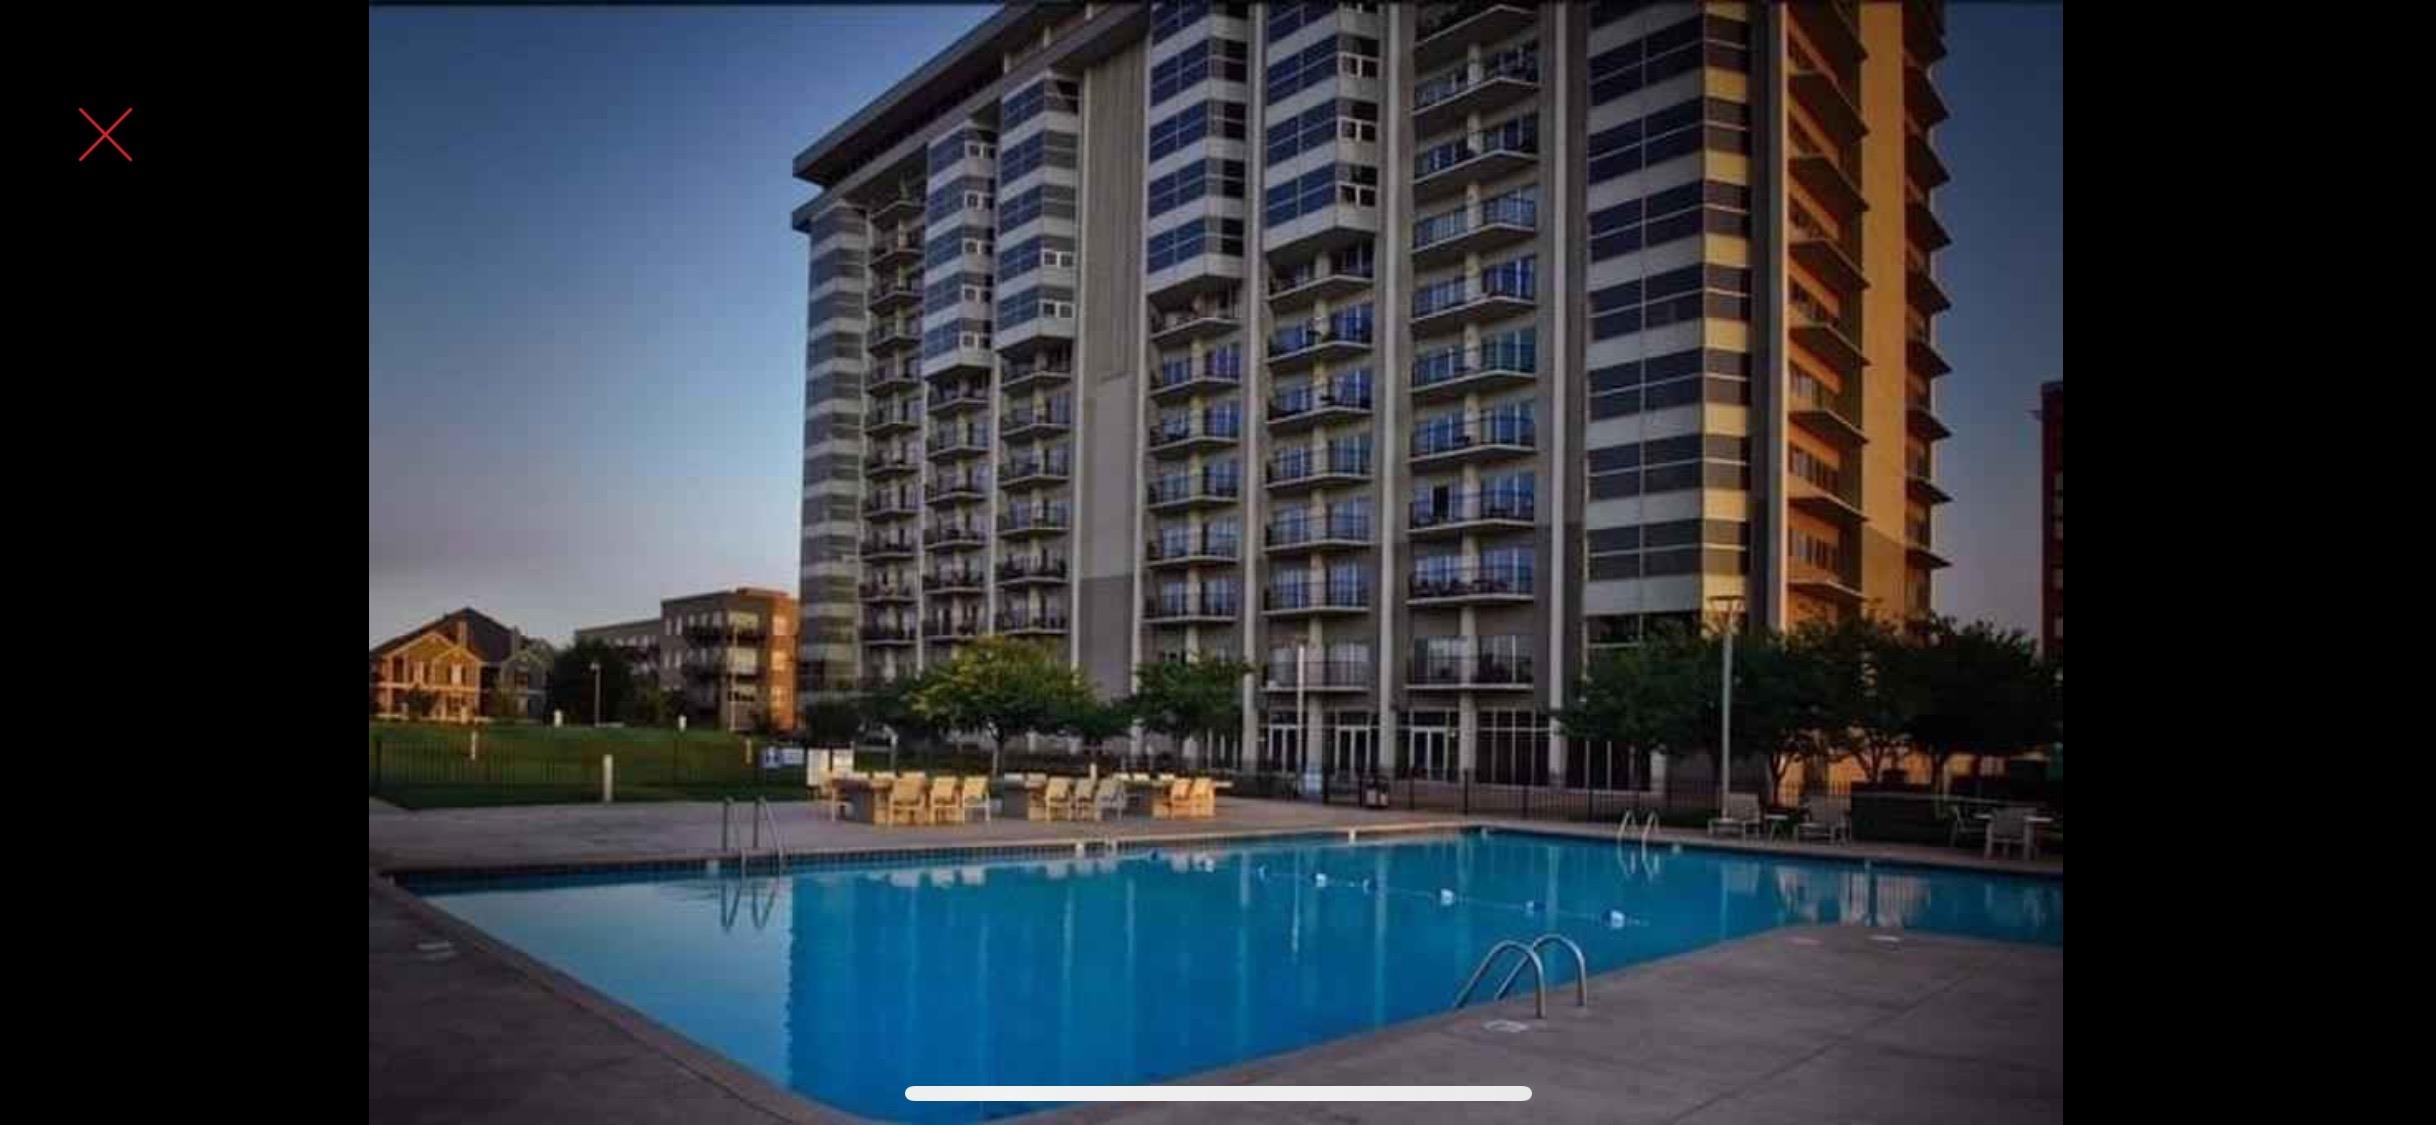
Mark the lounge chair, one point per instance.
(2008, 828)
(1110, 800)
(1204, 798)
(1057, 799)
(909, 801)
(945, 807)
(1172, 800)
(1825, 818)
(974, 795)
(1740, 816)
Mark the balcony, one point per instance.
(1448, 236)
(1446, 169)
(1303, 531)
(1920, 225)
(1310, 284)
(947, 402)
(1824, 335)
(901, 418)
(1918, 553)
(951, 630)
(890, 296)
(1921, 101)
(1825, 412)
(1456, 512)
(888, 635)
(1825, 255)
(1486, 436)
(893, 249)
(1445, 101)
(1828, 498)
(892, 336)
(1185, 492)
(1175, 329)
(882, 593)
(1918, 486)
(953, 490)
(1027, 521)
(888, 547)
(1922, 421)
(1925, 359)
(1302, 468)
(1822, 582)
(1315, 599)
(1321, 675)
(1299, 408)
(961, 362)
(1025, 621)
(1447, 306)
(891, 377)
(1921, 163)
(1924, 30)
(1834, 30)
(1170, 436)
(881, 466)
(1827, 180)
(1473, 584)
(1468, 673)
(1018, 378)
(1190, 609)
(967, 580)
(1446, 29)
(1191, 550)
(1037, 336)
(1026, 423)
(887, 505)
(1926, 295)
(903, 205)
(1179, 378)
(973, 442)
(952, 538)
(1032, 472)
(1454, 372)
(1036, 570)
(1820, 92)
(1299, 346)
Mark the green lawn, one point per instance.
(422, 765)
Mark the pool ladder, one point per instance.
(1539, 973)
(761, 814)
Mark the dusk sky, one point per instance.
(587, 308)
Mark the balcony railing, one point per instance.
(1046, 517)
(1471, 507)
(1023, 618)
(1342, 394)
(1470, 580)
(1304, 337)
(1487, 285)
(939, 628)
(1054, 466)
(1315, 595)
(1204, 603)
(952, 536)
(941, 398)
(1296, 528)
(1300, 462)
(1169, 490)
(1487, 428)
(885, 591)
(889, 545)
(1463, 150)
(887, 632)
(1179, 372)
(1506, 210)
(1460, 671)
(1166, 547)
(1310, 273)
(1517, 64)
(1169, 431)
(1285, 675)
(1035, 566)
(1057, 412)
(1447, 365)
(967, 579)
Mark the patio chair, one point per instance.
(1035, 780)
(975, 795)
(1057, 799)
(2009, 827)
(1740, 815)
(1962, 828)
(908, 801)
(945, 807)
(1110, 800)
(1824, 818)
(1172, 800)
(826, 796)
(1204, 798)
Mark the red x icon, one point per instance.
(105, 134)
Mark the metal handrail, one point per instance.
(1539, 975)
(762, 812)
(1581, 972)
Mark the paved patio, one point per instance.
(1804, 1024)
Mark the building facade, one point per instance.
(1411, 353)
(464, 667)
(731, 654)
(2051, 511)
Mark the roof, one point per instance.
(487, 638)
(934, 87)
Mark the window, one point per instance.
(1215, 57)
(1680, 48)
(1681, 129)
(1209, 118)
(1680, 212)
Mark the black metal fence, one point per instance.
(422, 769)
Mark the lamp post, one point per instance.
(1728, 605)
(596, 693)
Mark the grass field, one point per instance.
(428, 765)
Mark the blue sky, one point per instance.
(587, 307)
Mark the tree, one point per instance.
(420, 702)
(1865, 692)
(890, 708)
(1652, 696)
(571, 680)
(1192, 697)
(1094, 721)
(830, 722)
(1974, 689)
(1001, 687)
(505, 705)
(1780, 701)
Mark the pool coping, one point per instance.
(788, 1105)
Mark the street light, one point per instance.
(596, 693)
(1728, 605)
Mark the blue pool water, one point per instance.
(849, 984)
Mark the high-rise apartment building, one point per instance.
(1409, 352)
(730, 653)
(2051, 525)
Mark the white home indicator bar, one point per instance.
(1217, 1093)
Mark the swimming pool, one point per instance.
(847, 984)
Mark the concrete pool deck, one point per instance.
(1796, 1024)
